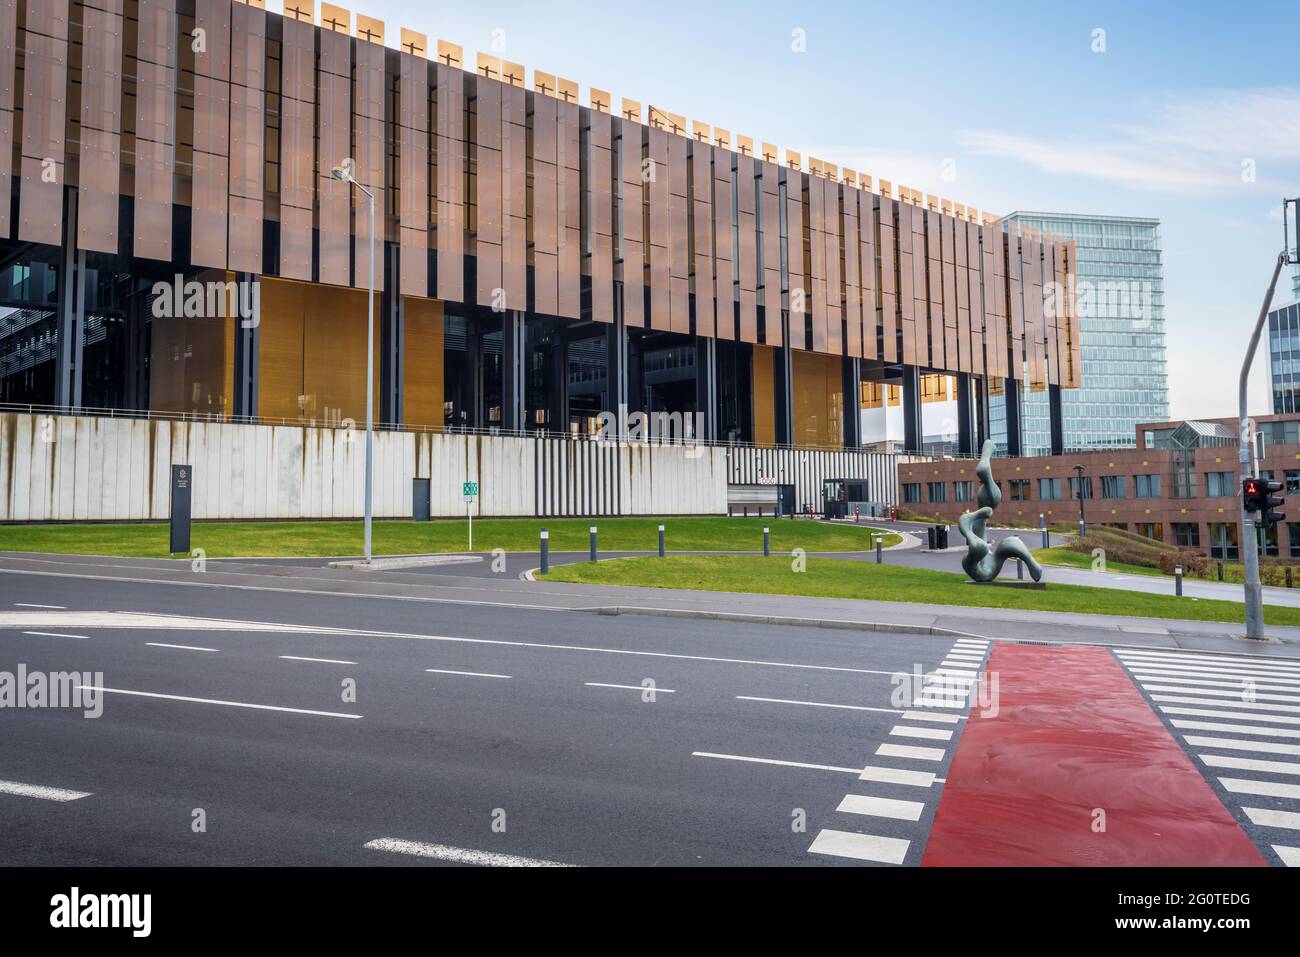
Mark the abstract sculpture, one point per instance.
(984, 559)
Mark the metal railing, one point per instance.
(154, 415)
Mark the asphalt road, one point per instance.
(310, 716)
(569, 756)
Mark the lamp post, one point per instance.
(345, 173)
(1083, 529)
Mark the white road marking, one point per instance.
(1266, 817)
(1232, 744)
(908, 751)
(1264, 788)
(1201, 684)
(819, 704)
(159, 644)
(1210, 671)
(139, 620)
(1236, 728)
(861, 847)
(933, 716)
(956, 701)
(228, 704)
(1225, 692)
(881, 807)
(323, 661)
(456, 855)
(468, 674)
(934, 734)
(1249, 764)
(1182, 676)
(599, 684)
(55, 634)
(922, 779)
(784, 764)
(970, 643)
(40, 791)
(1234, 715)
(1290, 855)
(1219, 703)
(1210, 661)
(24, 604)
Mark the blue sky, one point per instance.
(1013, 94)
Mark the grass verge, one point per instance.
(1061, 555)
(841, 578)
(317, 539)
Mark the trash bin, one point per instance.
(941, 534)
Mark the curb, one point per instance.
(419, 561)
(835, 623)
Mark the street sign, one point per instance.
(470, 490)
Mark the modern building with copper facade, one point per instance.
(542, 257)
(1179, 484)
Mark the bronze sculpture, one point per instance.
(984, 559)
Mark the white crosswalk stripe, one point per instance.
(949, 690)
(1225, 708)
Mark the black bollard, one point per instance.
(593, 543)
(1178, 580)
(661, 541)
(879, 553)
(767, 547)
(546, 551)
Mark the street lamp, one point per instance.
(1083, 529)
(344, 173)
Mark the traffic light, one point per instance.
(1257, 495)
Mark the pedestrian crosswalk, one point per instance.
(1226, 708)
(880, 820)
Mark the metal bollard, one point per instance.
(593, 543)
(767, 545)
(1042, 523)
(880, 558)
(546, 551)
(1178, 580)
(661, 541)
(1020, 569)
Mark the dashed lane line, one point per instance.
(456, 855)
(217, 701)
(19, 789)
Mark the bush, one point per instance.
(1195, 565)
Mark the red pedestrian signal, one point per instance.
(1259, 495)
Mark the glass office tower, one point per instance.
(1122, 320)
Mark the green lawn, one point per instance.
(841, 578)
(300, 539)
(1061, 555)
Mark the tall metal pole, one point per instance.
(1249, 544)
(370, 377)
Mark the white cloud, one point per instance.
(1186, 145)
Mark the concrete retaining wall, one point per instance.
(82, 468)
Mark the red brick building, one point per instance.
(1180, 484)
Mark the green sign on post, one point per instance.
(470, 490)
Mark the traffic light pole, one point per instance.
(1249, 539)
